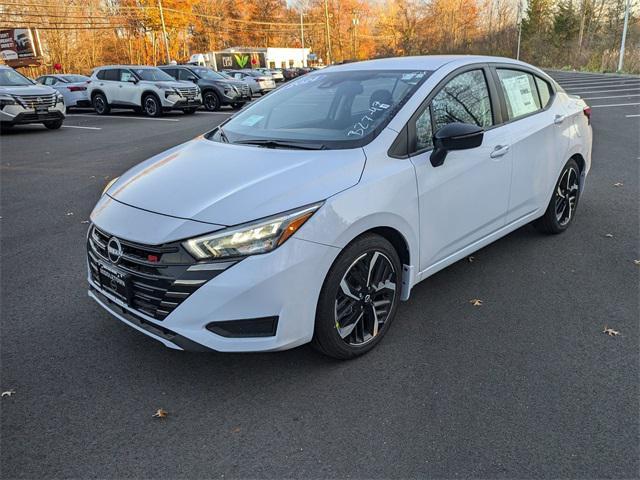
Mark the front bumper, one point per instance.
(18, 115)
(178, 102)
(282, 284)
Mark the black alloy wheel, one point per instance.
(211, 101)
(564, 201)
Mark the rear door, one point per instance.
(109, 84)
(540, 136)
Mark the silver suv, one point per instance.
(22, 101)
(144, 89)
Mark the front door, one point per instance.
(466, 198)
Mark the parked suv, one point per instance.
(217, 90)
(22, 101)
(144, 89)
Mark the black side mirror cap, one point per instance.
(455, 136)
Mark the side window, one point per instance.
(520, 92)
(101, 75)
(465, 99)
(184, 74)
(171, 71)
(112, 74)
(544, 90)
(424, 132)
(125, 75)
(46, 81)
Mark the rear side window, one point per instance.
(520, 92)
(170, 71)
(544, 90)
(464, 99)
(100, 74)
(112, 74)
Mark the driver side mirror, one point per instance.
(132, 80)
(454, 136)
(192, 79)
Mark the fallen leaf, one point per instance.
(84, 221)
(8, 393)
(637, 262)
(69, 214)
(476, 302)
(471, 258)
(618, 184)
(610, 331)
(160, 413)
(236, 430)
(608, 235)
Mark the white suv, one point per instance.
(144, 89)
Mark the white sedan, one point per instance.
(72, 87)
(309, 215)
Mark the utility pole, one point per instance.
(356, 21)
(326, 20)
(624, 35)
(519, 29)
(304, 57)
(164, 32)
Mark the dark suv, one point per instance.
(217, 90)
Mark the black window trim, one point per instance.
(401, 148)
(494, 67)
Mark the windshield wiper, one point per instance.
(223, 135)
(281, 144)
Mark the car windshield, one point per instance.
(153, 75)
(75, 78)
(11, 78)
(327, 110)
(208, 74)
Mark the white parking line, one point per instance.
(596, 82)
(615, 105)
(631, 116)
(119, 116)
(85, 128)
(613, 96)
(634, 89)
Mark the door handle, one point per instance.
(499, 151)
(558, 119)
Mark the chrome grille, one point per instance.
(157, 286)
(33, 101)
(187, 91)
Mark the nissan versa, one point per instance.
(312, 213)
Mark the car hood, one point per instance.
(226, 184)
(168, 83)
(28, 90)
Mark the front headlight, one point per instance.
(59, 98)
(7, 100)
(108, 185)
(253, 238)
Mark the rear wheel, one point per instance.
(564, 201)
(359, 298)
(211, 101)
(53, 124)
(100, 104)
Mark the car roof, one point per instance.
(124, 66)
(425, 62)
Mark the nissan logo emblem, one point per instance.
(114, 250)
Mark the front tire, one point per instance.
(100, 104)
(152, 106)
(359, 298)
(211, 102)
(53, 124)
(564, 201)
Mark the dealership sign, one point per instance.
(20, 47)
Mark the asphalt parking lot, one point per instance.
(525, 386)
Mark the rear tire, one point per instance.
(100, 104)
(564, 201)
(152, 106)
(53, 124)
(359, 298)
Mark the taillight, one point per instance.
(587, 113)
(76, 88)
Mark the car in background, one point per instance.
(274, 73)
(217, 90)
(73, 88)
(258, 82)
(289, 73)
(311, 214)
(22, 101)
(144, 89)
